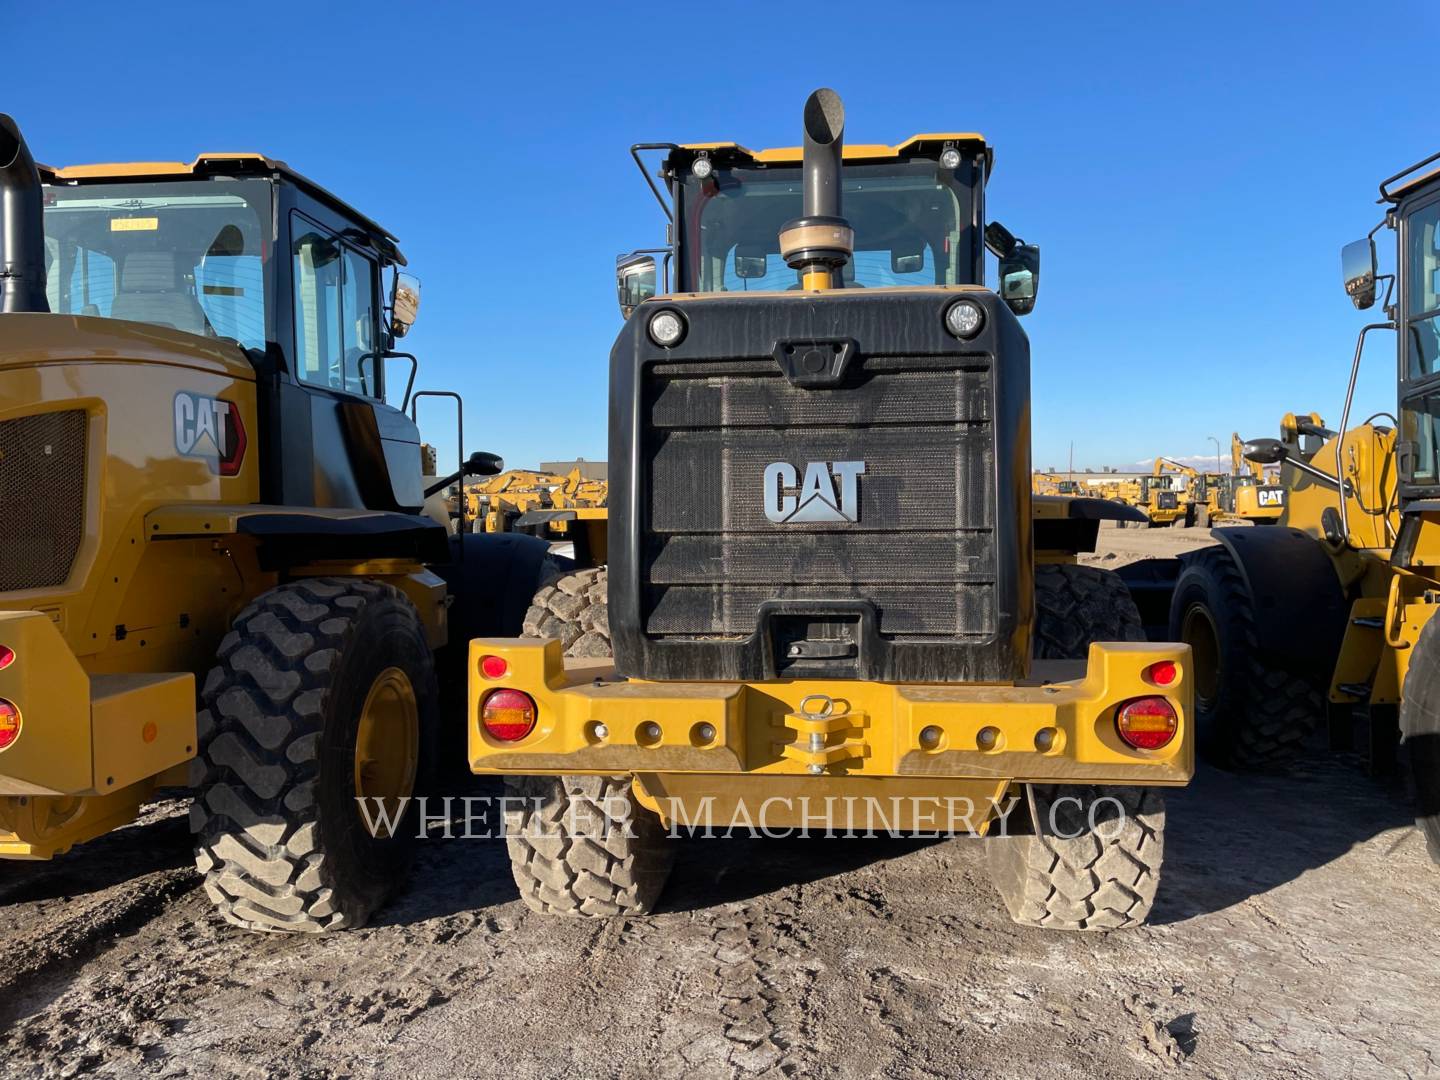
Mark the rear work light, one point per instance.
(1147, 723)
(508, 715)
(9, 723)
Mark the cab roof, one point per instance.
(966, 141)
(226, 164)
(1391, 191)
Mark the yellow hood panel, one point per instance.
(28, 339)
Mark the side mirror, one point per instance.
(1264, 451)
(482, 464)
(1357, 267)
(750, 261)
(1020, 278)
(404, 304)
(634, 281)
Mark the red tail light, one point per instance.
(508, 715)
(1147, 723)
(494, 667)
(1162, 673)
(9, 723)
(7, 656)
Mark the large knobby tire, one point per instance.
(1075, 605)
(323, 689)
(582, 845)
(575, 610)
(1093, 859)
(1420, 727)
(1252, 711)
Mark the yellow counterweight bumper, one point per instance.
(1057, 727)
(88, 749)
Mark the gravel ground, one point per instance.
(1294, 935)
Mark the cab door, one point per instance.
(342, 444)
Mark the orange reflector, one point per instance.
(494, 667)
(1162, 673)
(1147, 723)
(7, 656)
(9, 723)
(508, 715)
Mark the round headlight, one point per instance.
(963, 318)
(666, 328)
(950, 158)
(701, 167)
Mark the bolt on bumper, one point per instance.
(1057, 727)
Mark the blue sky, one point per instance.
(1190, 171)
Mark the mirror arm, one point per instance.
(635, 152)
(1316, 474)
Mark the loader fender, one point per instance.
(1299, 607)
(1063, 523)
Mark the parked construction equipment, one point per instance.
(1335, 605)
(829, 583)
(1167, 495)
(210, 460)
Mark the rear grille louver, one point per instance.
(923, 549)
(42, 496)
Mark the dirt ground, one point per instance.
(1294, 935)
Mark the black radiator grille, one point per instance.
(923, 549)
(42, 492)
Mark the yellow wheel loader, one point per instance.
(218, 574)
(1168, 495)
(1249, 495)
(1329, 614)
(831, 602)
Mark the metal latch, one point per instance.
(822, 734)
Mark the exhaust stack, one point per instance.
(22, 225)
(820, 242)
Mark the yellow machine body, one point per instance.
(862, 738)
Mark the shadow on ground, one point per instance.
(1230, 836)
(160, 843)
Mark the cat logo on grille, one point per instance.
(210, 428)
(830, 492)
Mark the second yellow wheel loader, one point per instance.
(218, 574)
(830, 592)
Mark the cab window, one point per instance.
(912, 221)
(335, 307)
(186, 255)
(1422, 307)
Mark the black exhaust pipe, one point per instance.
(22, 225)
(819, 243)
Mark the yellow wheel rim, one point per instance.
(387, 747)
(1199, 632)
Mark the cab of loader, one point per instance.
(909, 342)
(240, 249)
